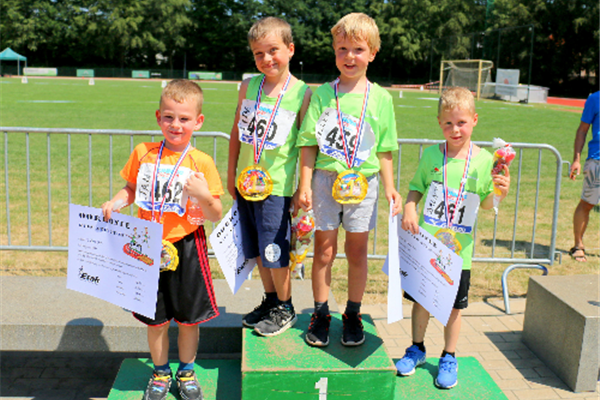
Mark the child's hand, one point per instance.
(410, 221)
(197, 186)
(305, 198)
(575, 170)
(394, 196)
(112, 205)
(295, 208)
(502, 182)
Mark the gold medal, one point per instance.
(350, 187)
(254, 183)
(448, 238)
(169, 260)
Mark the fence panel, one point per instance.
(47, 169)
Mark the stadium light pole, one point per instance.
(532, 29)
(301, 70)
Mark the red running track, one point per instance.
(566, 102)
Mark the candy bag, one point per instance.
(303, 231)
(503, 155)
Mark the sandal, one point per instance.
(578, 254)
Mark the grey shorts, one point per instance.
(591, 182)
(329, 214)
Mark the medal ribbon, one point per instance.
(361, 122)
(169, 181)
(461, 188)
(258, 150)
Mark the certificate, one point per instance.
(116, 260)
(430, 272)
(392, 263)
(226, 241)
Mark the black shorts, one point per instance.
(186, 294)
(266, 226)
(462, 295)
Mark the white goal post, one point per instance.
(472, 74)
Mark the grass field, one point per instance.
(130, 104)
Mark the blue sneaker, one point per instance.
(411, 360)
(447, 372)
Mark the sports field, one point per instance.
(130, 104)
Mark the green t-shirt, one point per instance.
(280, 153)
(320, 127)
(429, 179)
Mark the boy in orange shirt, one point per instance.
(161, 177)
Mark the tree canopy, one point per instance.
(211, 35)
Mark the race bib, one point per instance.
(434, 212)
(330, 139)
(175, 197)
(280, 127)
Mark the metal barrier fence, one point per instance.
(63, 166)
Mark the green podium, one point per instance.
(284, 367)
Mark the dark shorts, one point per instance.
(266, 229)
(462, 295)
(186, 294)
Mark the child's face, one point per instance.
(457, 126)
(271, 55)
(177, 122)
(352, 57)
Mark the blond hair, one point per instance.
(358, 26)
(181, 90)
(456, 97)
(268, 25)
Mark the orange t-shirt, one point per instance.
(140, 170)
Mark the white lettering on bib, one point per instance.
(330, 139)
(434, 212)
(280, 128)
(175, 197)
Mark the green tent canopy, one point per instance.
(9, 54)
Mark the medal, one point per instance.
(168, 256)
(254, 183)
(169, 260)
(447, 235)
(350, 187)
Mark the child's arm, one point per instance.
(387, 176)
(308, 156)
(305, 103)
(410, 219)
(126, 196)
(502, 182)
(234, 143)
(197, 187)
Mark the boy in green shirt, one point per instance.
(455, 179)
(262, 167)
(338, 176)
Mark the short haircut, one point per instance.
(456, 97)
(181, 90)
(358, 26)
(268, 25)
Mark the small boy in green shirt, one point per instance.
(347, 138)
(455, 179)
(262, 168)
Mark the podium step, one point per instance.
(474, 383)
(219, 379)
(284, 367)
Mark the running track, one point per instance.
(566, 102)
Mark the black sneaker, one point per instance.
(353, 334)
(279, 320)
(158, 386)
(318, 330)
(260, 312)
(189, 388)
